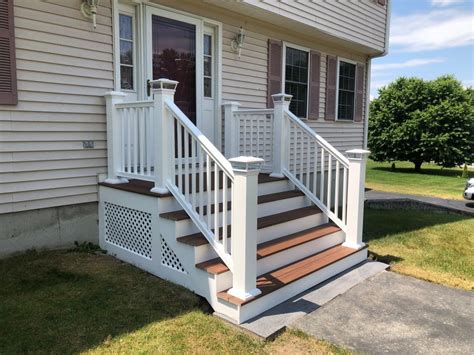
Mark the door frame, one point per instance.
(198, 23)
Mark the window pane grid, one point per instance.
(296, 80)
(126, 51)
(207, 59)
(346, 94)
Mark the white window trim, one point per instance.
(206, 32)
(283, 71)
(128, 10)
(339, 60)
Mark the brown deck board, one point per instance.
(182, 215)
(197, 239)
(217, 266)
(285, 275)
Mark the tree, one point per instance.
(422, 121)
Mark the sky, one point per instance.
(428, 38)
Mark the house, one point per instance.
(217, 144)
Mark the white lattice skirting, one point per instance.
(128, 229)
(169, 258)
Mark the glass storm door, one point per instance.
(174, 56)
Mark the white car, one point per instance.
(469, 190)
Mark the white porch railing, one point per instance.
(332, 181)
(154, 140)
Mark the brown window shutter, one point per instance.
(359, 92)
(314, 85)
(331, 88)
(275, 49)
(8, 92)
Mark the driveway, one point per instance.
(392, 313)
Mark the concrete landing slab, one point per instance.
(396, 314)
(277, 318)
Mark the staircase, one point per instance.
(297, 248)
(246, 233)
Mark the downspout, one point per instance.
(369, 65)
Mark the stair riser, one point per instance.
(259, 306)
(206, 252)
(286, 257)
(293, 226)
(288, 204)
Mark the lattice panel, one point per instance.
(128, 228)
(169, 258)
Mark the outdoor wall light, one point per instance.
(89, 10)
(238, 41)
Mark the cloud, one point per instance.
(437, 29)
(407, 64)
(444, 3)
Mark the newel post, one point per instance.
(244, 227)
(355, 197)
(281, 103)
(114, 137)
(163, 90)
(231, 130)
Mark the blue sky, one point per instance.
(428, 38)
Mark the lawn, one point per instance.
(431, 246)
(64, 302)
(432, 180)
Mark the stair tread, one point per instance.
(217, 266)
(197, 239)
(180, 215)
(276, 279)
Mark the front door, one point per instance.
(175, 52)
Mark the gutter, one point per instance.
(368, 73)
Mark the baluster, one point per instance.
(244, 147)
(129, 142)
(186, 164)
(336, 190)
(265, 157)
(148, 132)
(328, 202)
(193, 173)
(122, 128)
(321, 186)
(294, 148)
(315, 170)
(344, 195)
(141, 121)
(308, 163)
(301, 155)
(251, 135)
(216, 202)
(201, 183)
(135, 141)
(224, 212)
(180, 155)
(208, 189)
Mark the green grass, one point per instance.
(431, 246)
(69, 302)
(432, 180)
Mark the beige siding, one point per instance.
(64, 68)
(361, 21)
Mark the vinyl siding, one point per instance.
(360, 21)
(64, 67)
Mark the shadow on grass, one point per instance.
(70, 302)
(387, 259)
(426, 171)
(385, 223)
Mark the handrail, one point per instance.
(254, 111)
(320, 139)
(206, 162)
(133, 104)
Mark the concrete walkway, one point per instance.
(391, 200)
(396, 314)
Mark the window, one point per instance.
(207, 65)
(296, 80)
(346, 91)
(126, 52)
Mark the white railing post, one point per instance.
(281, 103)
(163, 90)
(114, 137)
(355, 197)
(231, 130)
(244, 227)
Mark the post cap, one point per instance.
(244, 163)
(163, 83)
(357, 153)
(281, 98)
